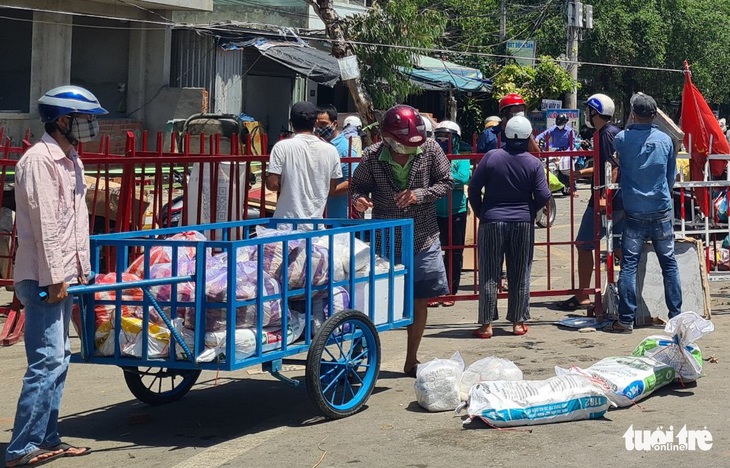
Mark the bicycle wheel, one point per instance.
(343, 364)
(157, 386)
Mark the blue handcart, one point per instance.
(181, 317)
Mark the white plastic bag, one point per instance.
(528, 402)
(437, 383)
(489, 368)
(629, 378)
(679, 349)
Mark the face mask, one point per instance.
(400, 148)
(589, 121)
(82, 130)
(561, 127)
(518, 114)
(326, 132)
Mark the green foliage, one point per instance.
(471, 116)
(548, 80)
(403, 23)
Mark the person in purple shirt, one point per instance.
(515, 188)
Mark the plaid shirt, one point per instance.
(429, 179)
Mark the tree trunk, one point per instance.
(333, 25)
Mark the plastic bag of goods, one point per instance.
(274, 250)
(246, 289)
(504, 403)
(489, 368)
(321, 307)
(163, 254)
(437, 383)
(629, 378)
(246, 339)
(341, 256)
(678, 349)
(131, 339)
(105, 312)
(297, 271)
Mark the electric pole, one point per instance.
(502, 20)
(576, 12)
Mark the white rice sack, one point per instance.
(489, 368)
(131, 339)
(678, 349)
(321, 307)
(437, 383)
(163, 254)
(246, 338)
(504, 403)
(629, 378)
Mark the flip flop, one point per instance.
(66, 447)
(484, 336)
(25, 460)
(525, 329)
(448, 303)
(572, 304)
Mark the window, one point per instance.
(16, 35)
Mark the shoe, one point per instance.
(477, 334)
(433, 304)
(448, 303)
(617, 327)
(572, 304)
(525, 329)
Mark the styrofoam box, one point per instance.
(362, 298)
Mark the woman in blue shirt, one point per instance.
(451, 210)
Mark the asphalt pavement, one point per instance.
(248, 418)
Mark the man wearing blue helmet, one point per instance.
(52, 222)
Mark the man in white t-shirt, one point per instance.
(304, 169)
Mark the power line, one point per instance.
(224, 28)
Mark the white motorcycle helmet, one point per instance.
(429, 126)
(352, 120)
(448, 126)
(66, 100)
(602, 104)
(518, 128)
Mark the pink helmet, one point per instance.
(404, 125)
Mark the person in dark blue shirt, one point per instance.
(599, 113)
(488, 139)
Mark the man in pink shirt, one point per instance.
(53, 252)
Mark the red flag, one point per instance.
(699, 125)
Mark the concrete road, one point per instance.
(248, 418)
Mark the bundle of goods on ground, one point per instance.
(160, 264)
(493, 390)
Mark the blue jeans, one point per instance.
(48, 351)
(639, 228)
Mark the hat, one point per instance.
(643, 105)
(491, 121)
(303, 110)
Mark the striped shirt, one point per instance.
(429, 179)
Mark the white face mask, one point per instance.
(561, 127)
(518, 114)
(84, 130)
(400, 148)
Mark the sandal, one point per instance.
(617, 327)
(525, 329)
(448, 303)
(572, 304)
(66, 449)
(483, 335)
(27, 459)
(433, 304)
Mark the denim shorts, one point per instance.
(429, 273)
(585, 238)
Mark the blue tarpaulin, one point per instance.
(441, 75)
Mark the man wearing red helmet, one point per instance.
(512, 105)
(402, 177)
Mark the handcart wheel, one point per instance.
(542, 219)
(343, 364)
(157, 386)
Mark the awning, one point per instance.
(441, 75)
(315, 64)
